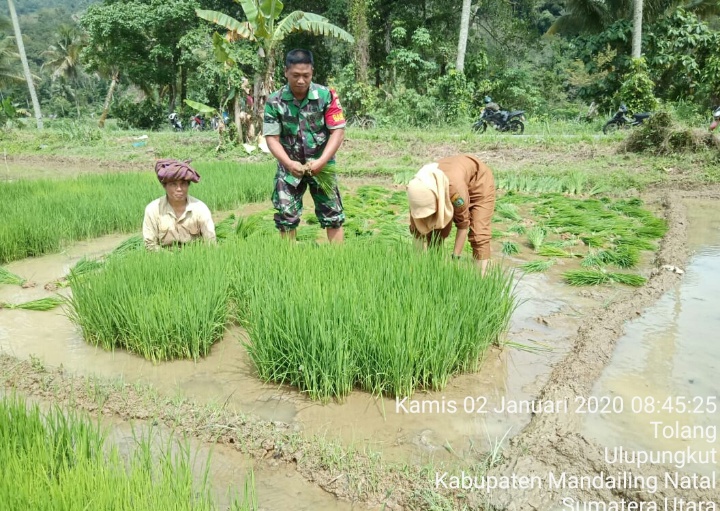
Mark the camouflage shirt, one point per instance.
(303, 126)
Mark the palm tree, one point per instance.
(64, 58)
(26, 68)
(637, 29)
(264, 28)
(8, 63)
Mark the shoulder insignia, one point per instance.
(457, 200)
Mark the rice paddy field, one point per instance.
(329, 338)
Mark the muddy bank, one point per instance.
(551, 442)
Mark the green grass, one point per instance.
(536, 237)
(92, 205)
(62, 461)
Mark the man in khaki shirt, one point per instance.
(176, 218)
(460, 190)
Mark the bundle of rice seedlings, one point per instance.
(247, 225)
(326, 179)
(510, 248)
(624, 256)
(517, 228)
(42, 304)
(86, 265)
(536, 236)
(595, 277)
(550, 251)
(629, 279)
(594, 259)
(586, 277)
(135, 242)
(225, 228)
(509, 211)
(7, 277)
(537, 266)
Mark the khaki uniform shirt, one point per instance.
(472, 193)
(161, 227)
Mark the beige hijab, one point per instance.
(429, 198)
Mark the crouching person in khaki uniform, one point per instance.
(460, 190)
(176, 218)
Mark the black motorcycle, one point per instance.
(621, 120)
(501, 120)
(175, 121)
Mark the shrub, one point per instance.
(145, 115)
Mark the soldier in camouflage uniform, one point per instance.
(304, 127)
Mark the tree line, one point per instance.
(410, 62)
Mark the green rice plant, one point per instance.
(575, 183)
(550, 251)
(41, 304)
(595, 277)
(248, 226)
(586, 277)
(635, 243)
(537, 266)
(7, 277)
(134, 242)
(510, 248)
(380, 328)
(595, 258)
(162, 305)
(624, 256)
(91, 205)
(327, 179)
(85, 265)
(517, 228)
(225, 228)
(62, 460)
(536, 237)
(509, 211)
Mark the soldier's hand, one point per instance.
(297, 169)
(314, 167)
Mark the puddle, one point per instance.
(670, 352)
(226, 376)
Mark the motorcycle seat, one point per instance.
(641, 116)
(516, 112)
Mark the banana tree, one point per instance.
(265, 28)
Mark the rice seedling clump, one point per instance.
(394, 322)
(162, 305)
(60, 460)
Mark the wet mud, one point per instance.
(210, 399)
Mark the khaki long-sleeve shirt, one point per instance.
(472, 193)
(162, 227)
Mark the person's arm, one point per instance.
(207, 227)
(460, 239)
(150, 231)
(335, 122)
(336, 139)
(278, 151)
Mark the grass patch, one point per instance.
(536, 237)
(510, 248)
(92, 205)
(60, 460)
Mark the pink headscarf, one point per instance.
(174, 170)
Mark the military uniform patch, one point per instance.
(457, 200)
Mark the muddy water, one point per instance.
(670, 353)
(546, 318)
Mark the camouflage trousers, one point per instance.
(287, 200)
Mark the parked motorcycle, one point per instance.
(716, 118)
(175, 121)
(621, 120)
(197, 122)
(503, 121)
